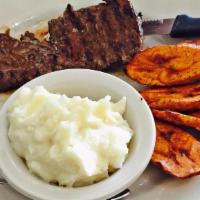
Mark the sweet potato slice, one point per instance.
(177, 118)
(182, 98)
(176, 151)
(165, 65)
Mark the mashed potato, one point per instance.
(72, 141)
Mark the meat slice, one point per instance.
(24, 59)
(176, 151)
(96, 37)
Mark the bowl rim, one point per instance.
(121, 186)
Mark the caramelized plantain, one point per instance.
(196, 114)
(165, 65)
(182, 98)
(176, 151)
(177, 118)
(190, 43)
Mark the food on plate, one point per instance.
(165, 65)
(70, 141)
(181, 98)
(24, 59)
(41, 33)
(196, 114)
(96, 37)
(176, 151)
(190, 43)
(177, 118)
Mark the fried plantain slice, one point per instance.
(196, 114)
(166, 65)
(177, 118)
(190, 43)
(176, 151)
(182, 98)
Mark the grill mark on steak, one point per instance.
(75, 20)
(117, 37)
(1, 75)
(128, 11)
(96, 41)
(132, 35)
(108, 36)
(113, 23)
(57, 30)
(110, 55)
(127, 34)
(72, 31)
(87, 38)
(125, 44)
(61, 42)
(96, 37)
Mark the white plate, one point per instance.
(153, 184)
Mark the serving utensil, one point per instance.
(181, 26)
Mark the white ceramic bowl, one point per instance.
(95, 85)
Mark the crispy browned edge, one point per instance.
(177, 118)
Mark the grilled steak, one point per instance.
(24, 59)
(96, 37)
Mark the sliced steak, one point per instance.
(24, 59)
(96, 37)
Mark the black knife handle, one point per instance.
(185, 26)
